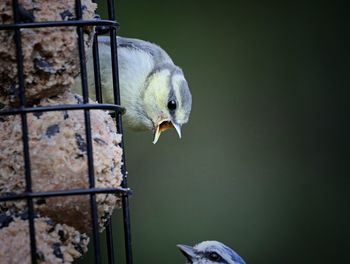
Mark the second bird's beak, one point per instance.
(165, 125)
(187, 251)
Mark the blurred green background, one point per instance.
(263, 165)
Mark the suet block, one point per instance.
(55, 243)
(58, 161)
(50, 54)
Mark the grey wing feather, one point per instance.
(157, 53)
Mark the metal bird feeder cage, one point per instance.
(107, 26)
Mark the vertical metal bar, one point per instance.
(116, 91)
(114, 57)
(109, 240)
(111, 10)
(22, 97)
(83, 74)
(97, 72)
(99, 98)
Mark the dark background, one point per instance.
(263, 165)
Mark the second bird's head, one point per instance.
(210, 252)
(167, 100)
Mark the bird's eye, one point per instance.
(172, 105)
(214, 256)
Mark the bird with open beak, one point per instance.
(153, 89)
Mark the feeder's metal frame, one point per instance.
(101, 27)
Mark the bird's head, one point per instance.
(167, 99)
(210, 252)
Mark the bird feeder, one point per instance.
(62, 164)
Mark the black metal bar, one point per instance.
(18, 111)
(69, 23)
(126, 222)
(12, 197)
(20, 73)
(97, 73)
(99, 98)
(109, 240)
(114, 59)
(116, 91)
(111, 10)
(83, 74)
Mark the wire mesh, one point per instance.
(102, 26)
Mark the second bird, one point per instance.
(153, 89)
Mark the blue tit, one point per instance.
(153, 89)
(210, 252)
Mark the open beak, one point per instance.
(165, 125)
(187, 251)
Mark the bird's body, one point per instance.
(210, 252)
(150, 85)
